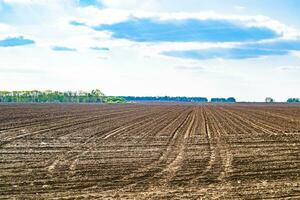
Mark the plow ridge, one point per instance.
(145, 151)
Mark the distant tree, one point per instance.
(293, 100)
(223, 100)
(165, 99)
(269, 100)
(48, 96)
(218, 100)
(114, 100)
(97, 93)
(231, 100)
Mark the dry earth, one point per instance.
(158, 151)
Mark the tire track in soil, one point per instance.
(115, 133)
(185, 172)
(112, 133)
(219, 163)
(225, 152)
(122, 181)
(64, 157)
(190, 172)
(149, 176)
(171, 170)
(156, 179)
(212, 148)
(175, 111)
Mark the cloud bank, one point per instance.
(243, 51)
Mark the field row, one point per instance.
(244, 151)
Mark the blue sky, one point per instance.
(187, 30)
(245, 49)
(15, 41)
(242, 51)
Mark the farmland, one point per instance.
(150, 151)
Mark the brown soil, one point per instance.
(158, 151)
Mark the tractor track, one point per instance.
(150, 151)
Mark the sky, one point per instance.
(246, 49)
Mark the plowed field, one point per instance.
(158, 151)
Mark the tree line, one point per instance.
(290, 100)
(164, 99)
(293, 100)
(178, 99)
(49, 96)
(223, 100)
(96, 96)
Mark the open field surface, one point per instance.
(242, 151)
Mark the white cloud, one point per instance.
(93, 16)
(131, 4)
(37, 2)
(6, 30)
(296, 54)
(289, 68)
(22, 1)
(133, 66)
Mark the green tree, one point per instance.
(49, 96)
(269, 100)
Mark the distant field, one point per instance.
(142, 151)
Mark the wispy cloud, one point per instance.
(289, 68)
(185, 30)
(226, 53)
(15, 41)
(61, 48)
(189, 68)
(100, 48)
(21, 71)
(243, 51)
(77, 23)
